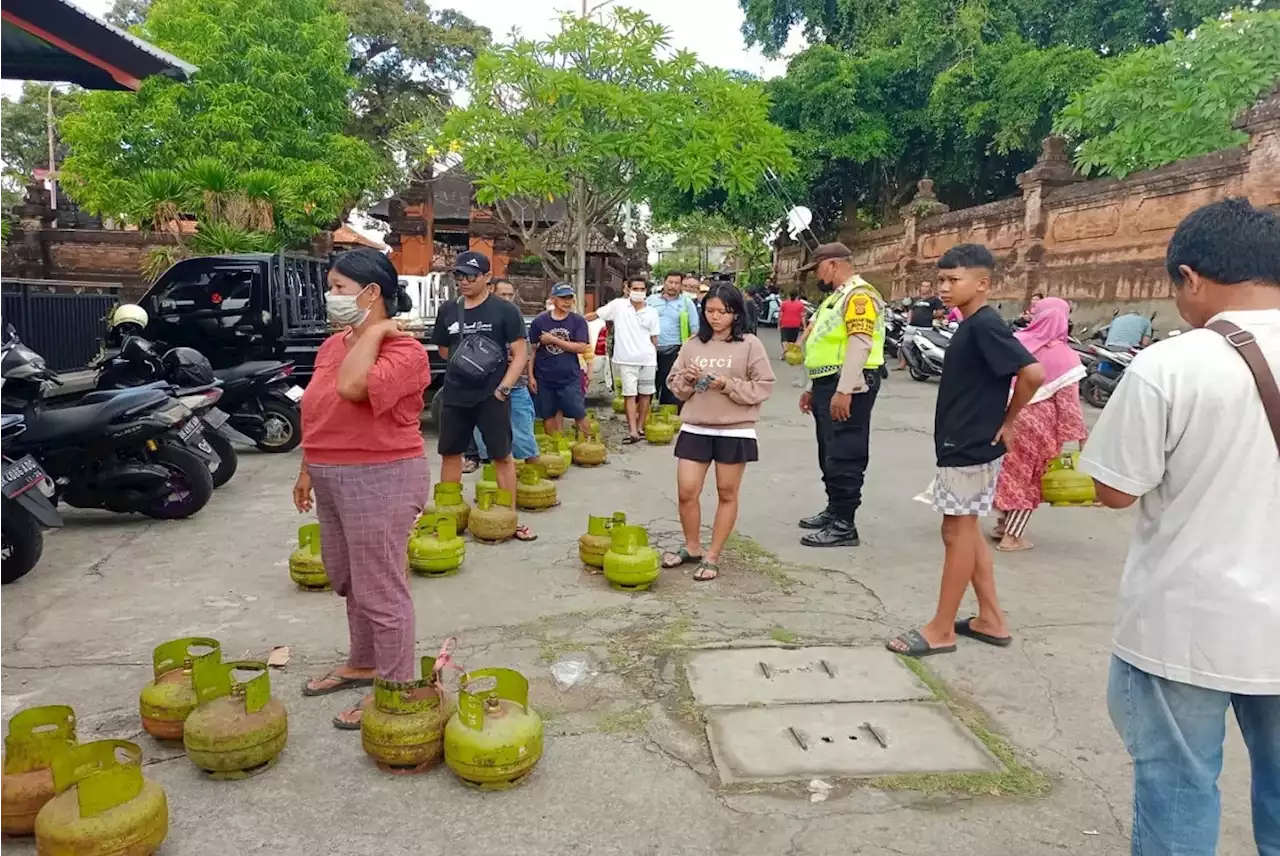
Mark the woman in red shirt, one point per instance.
(791, 318)
(363, 457)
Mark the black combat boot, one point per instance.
(818, 521)
(837, 533)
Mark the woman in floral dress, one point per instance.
(1052, 419)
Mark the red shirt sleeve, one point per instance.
(401, 371)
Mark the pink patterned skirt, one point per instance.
(1040, 431)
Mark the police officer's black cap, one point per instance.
(827, 252)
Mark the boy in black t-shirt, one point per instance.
(972, 423)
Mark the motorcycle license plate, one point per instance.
(189, 430)
(21, 475)
(215, 418)
(294, 393)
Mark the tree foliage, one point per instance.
(271, 94)
(960, 91)
(406, 59)
(1175, 100)
(24, 142)
(601, 114)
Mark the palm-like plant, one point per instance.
(265, 193)
(213, 187)
(160, 259)
(157, 200)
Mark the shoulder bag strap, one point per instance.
(1247, 347)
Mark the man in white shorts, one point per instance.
(635, 350)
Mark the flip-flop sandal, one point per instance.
(629, 440)
(917, 645)
(524, 534)
(346, 724)
(964, 628)
(682, 557)
(1003, 549)
(706, 572)
(343, 683)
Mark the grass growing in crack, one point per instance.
(748, 552)
(1017, 779)
(783, 635)
(625, 721)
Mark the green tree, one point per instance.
(24, 141)
(1176, 100)
(271, 94)
(127, 14)
(601, 114)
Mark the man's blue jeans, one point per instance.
(1174, 733)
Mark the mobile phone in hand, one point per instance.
(704, 383)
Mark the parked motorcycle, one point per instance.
(896, 326)
(263, 403)
(925, 350)
(1104, 375)
(27, 510)
(188, 375)
(125, 451)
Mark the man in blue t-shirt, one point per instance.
(558, 336)
(1129, 331)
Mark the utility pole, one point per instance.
(53, 165)
(580, 283)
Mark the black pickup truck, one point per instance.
(255, 306)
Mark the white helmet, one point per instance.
(129, 313)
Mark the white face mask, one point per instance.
(637, 297)
(344, 309)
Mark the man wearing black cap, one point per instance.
(843, 354)
(474, 333)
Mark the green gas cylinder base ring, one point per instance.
(237, 775)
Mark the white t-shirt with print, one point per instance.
(632, 331)
(1185, 430)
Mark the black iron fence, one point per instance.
(62, 321)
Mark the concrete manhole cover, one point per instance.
(745, 676)
(797, 742)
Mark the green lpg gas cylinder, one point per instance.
(658, 430)
(539, 427)
(488, 480)
(534, 491)
(168, 700)
(564, 447)
(493, 519)
(672, 412)
(1064, 484)
(550, 457)
(494, 740)
(239, 729)
(104, 806)
(630, 563)
(593, 422)
(36, 737)
(435, 548)
(589, 451)
(306, 568)
(593, 545)
(448, 499)
(403, 730)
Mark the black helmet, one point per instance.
(187, 367)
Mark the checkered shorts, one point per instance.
(963, 491)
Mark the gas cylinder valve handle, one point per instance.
(444, 660)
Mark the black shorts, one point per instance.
(567, 399)
(458, 424)
(790, 334)
(705, 448)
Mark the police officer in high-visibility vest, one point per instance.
(677, 321)
(843, 356)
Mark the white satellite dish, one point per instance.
(798, 219)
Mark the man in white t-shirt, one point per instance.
(1197, 628)
(635, 350)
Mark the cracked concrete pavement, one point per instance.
(627, 769)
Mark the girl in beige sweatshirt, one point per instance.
(723, 376)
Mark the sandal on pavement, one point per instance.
(631, 439)
(706, 572)
(343, 722)
(913, 644)
(1025, 545)
(524, 533)
(964, 628)
(678, 558)
(341, 682)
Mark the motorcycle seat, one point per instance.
(936, 337)
(81, 422)
(249, 369)
(100, 395)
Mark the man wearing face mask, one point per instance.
(843, 354)
(481, 373)
(635, 350)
